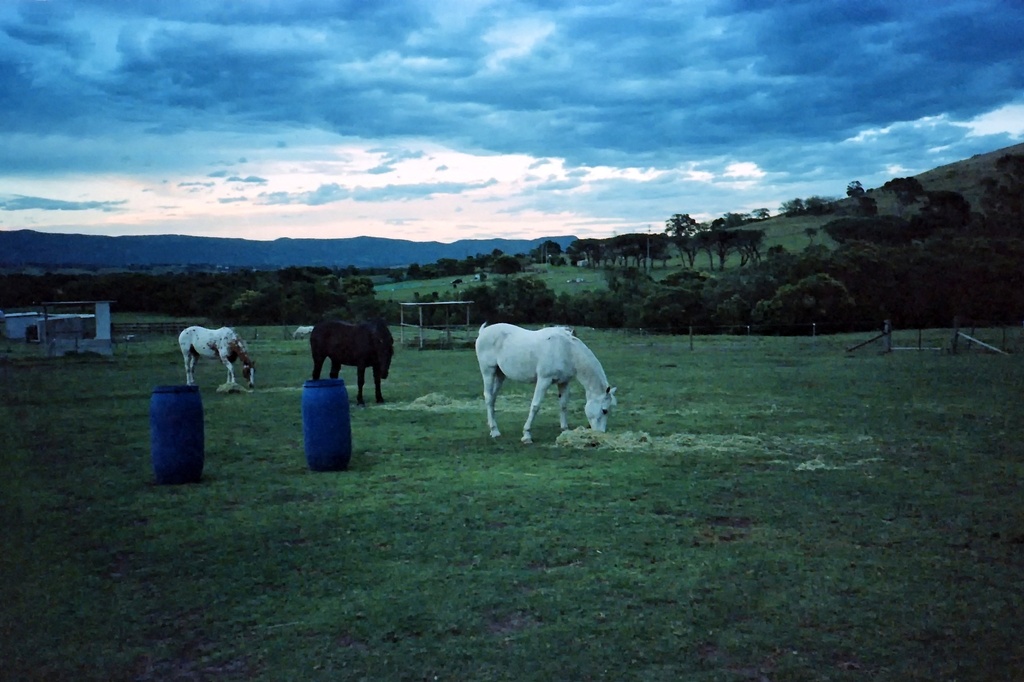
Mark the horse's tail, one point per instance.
(482, 327)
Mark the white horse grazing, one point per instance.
(547, 356)
(302, 332)
(223, 343)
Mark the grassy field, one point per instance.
(761, 509)
(558, 278)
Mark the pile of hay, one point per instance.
(230, 387)
(583, 438)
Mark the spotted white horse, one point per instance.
(546, 356)
(223, 343)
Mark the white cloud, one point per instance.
(515, 39)
(1008, 119)
(743, 169)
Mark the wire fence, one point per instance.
(986, 336)
(974, 336)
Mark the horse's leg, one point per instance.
(190, 363)
(361, 378)
(538, 396)
(563, 404)
(231, 370)
(318, 365)
(492, 384)
(376, 384)
(335, 368)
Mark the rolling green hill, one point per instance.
(965, 177)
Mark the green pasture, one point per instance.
(788, 232)
(761, 509)
(559, 278)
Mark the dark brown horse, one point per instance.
(368, 344)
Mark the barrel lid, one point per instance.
(177, 388)
(324, 383)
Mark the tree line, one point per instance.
(919, 269)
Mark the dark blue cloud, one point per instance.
(609, 78)
(114, 86)
(23, 203)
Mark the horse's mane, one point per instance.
(380, 327)
(587, 364)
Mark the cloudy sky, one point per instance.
(450, 119)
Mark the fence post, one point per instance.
(956, 335)
(887, 330)
(691, 337)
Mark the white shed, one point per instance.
(22, 326)
(65, 333)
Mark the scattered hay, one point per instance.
(713, 443)
(752, 450)
(582, 438)
(230, 387)
(432, 400)
(438, 402)
(818, 464)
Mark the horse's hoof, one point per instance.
(495, 433)
(527, 440)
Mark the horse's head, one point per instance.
(598, 407)
(384, 347)
(249, 372)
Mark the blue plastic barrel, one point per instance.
(325, 424)
(176, 434)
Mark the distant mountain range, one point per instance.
(28, 248)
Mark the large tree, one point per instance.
(748, 243)
(1003, 200)
(906, 190)
(506, 265)
(681, 225)
(688, 247)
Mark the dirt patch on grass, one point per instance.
(510, 623)
(230, 387)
